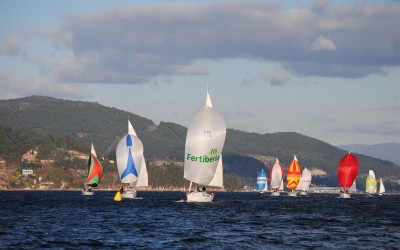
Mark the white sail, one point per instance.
(129, 158)
(266, 186)
(130, 129)
(204, 143)
(381, 186)
(143, 180)
(353, 188)
(218, 180)
(93, 151)
(305, 180)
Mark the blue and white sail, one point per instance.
(262, 185)
(130, 157)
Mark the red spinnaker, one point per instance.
(347, 170)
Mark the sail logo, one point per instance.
(211, 157)
(207, 133)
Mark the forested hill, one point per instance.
(244, 153)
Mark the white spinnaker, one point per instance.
(129, 149)
(276, 176)
(205, 138)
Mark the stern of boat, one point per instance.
(199, 197)
(129, 194)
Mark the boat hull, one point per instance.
(199, 197)
(275, 193)
(129, 194)
(292, 194)
(344, 195)
(86, 192)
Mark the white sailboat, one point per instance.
(276, 176)
(203, 160)
(305, 182)
(131, 163)
(381, 187)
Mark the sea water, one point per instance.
(68, 220)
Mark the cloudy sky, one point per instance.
(325, 69)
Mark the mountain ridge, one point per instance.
(89, 122)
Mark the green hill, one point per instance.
(244, 153)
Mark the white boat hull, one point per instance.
(344, 195)
(292, 194)
(275, 193)
(129, 194)
(86, 192)
(199, 197)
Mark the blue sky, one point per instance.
(325, 69)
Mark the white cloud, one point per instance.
(277, 77)
(322, 43)
(141, 43)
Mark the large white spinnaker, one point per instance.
(129, 158)
(204, 143)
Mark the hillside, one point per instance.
(244, 153)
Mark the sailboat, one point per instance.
(305, 182)
(381, 187)
(371, 183)
(131, 163)
(205, 140)
(262, 184)
(293, 176)
(276, 176)
(347, 173)
(95, 173)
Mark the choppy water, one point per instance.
(66, 219)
